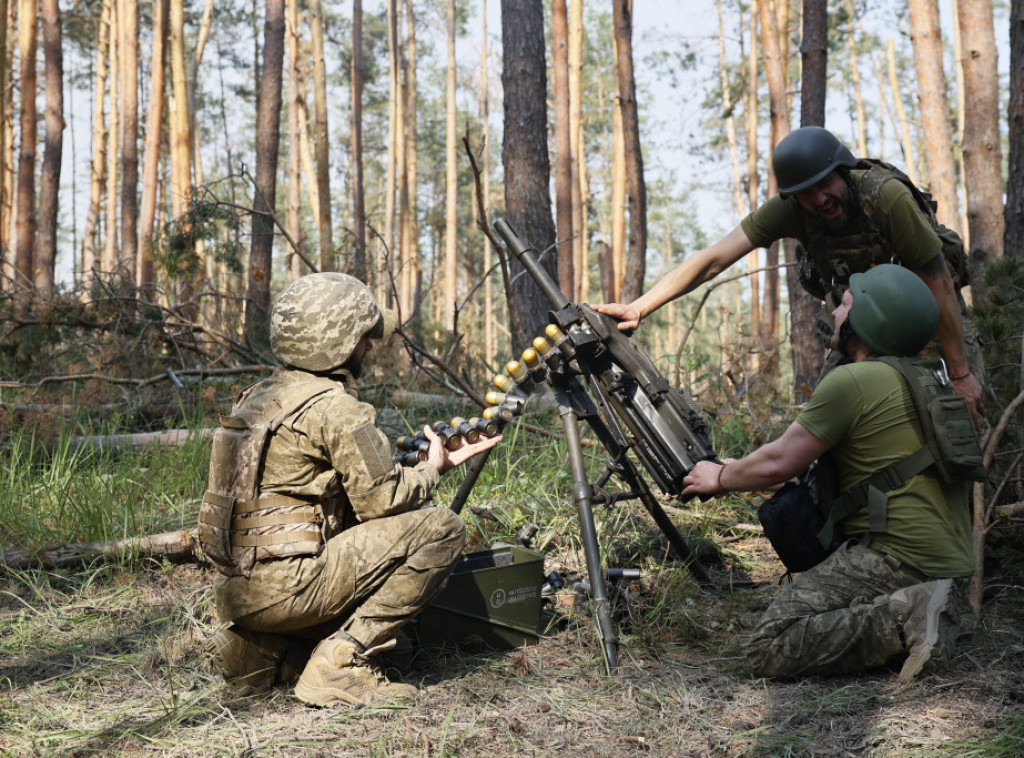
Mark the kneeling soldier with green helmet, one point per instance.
(891, 590)
(319, 537)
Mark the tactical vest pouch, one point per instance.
(792, 521)
(237, 525)
(945, 419)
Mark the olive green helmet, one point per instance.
(893, 310)
(806, 156)
(319, 319)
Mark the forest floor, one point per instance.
(107, 662)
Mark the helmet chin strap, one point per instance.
(845, 332)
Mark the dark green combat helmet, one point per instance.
(319, 319)
(806, 156)
(893, 310)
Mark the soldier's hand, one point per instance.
(443, 459)
(971, 390)
(704, 479)
(628, 316)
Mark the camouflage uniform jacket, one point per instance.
(330, 451)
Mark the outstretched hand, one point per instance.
(628, 316)
(704, 479)
(444, 459)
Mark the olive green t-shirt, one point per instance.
(898, 218)
(864, 413)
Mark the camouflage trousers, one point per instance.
(376, 576)
(835, 617)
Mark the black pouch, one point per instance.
(791, 522)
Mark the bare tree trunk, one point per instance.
(636, 261)
(320, 137)
(293, 208)
(926, 37)
(268, 132)
(861, 143)
(6, 264)
(906, 142)
(128, 23)
(145, 274)
(110, 240)
(525, 154)
(983, 155)
(1013, 237)
(49, 178)
(392, 148)
(358, 190)
(411, 226)
(563, 149)
(178, 127)
(617, 267)
(25, 220)
(577, 149)
(490, 342)
(753, 177)
(451, 175)
(808, 355)
(961, 117)
(401, 153)
(97, 171)
(774, 67)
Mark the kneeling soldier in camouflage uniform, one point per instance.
(319, 537)
(894, 588)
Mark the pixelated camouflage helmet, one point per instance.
(893, 310)
(319, 319)
(806, 156)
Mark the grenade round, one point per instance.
(465, 429)
(451, 438)
(558, 339)
(500, 414)
(411, 458)
(503, 383)
(485, 427)
(412, 444)
(513, 402)
(519, 375)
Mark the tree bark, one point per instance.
(145, 274)
(178, 128)
(636, 260)
(861, 142)
(451, 177)
(358, 190)
(97, 172)
(753, 177)
(982, 146)
(563, 145)
(128, 23)
(410, 230)
(525, 154)
(25, 219)
(268, 133)
(906, 142)
(49, 178)
(926, 37)
(1013, 237)
(175, 546)
(577, 148)
(321, 147)
(6, 264)
(293, 207)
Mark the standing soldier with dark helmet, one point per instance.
(318, 536)
(848, 215)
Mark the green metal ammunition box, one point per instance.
(492, 597)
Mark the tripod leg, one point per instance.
(582, 494)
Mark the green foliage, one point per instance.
(216, 224)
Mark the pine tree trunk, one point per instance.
(97, 172)
(926, 37)
(6, 264)
(982, 145)
(753, 177)
(25, 219)
(49, 177)
(490, 346)
(358, 189)
(636, 260)
(1013, 237)
(320, 137)
(411, 226)
(268, 132)
(861, 144)
(110, 241)
(293, 207)
(145, 275)
(128, 44)
(563, 150)
(376, 268)
(450, 177)
(577, 148)
(178, 126)
(906, 142)
(525, 156)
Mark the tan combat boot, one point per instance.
(340, 672)
(923, 614)
(247, 660)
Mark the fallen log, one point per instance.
(179, 546)
(167, 438)
(1009, 511)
